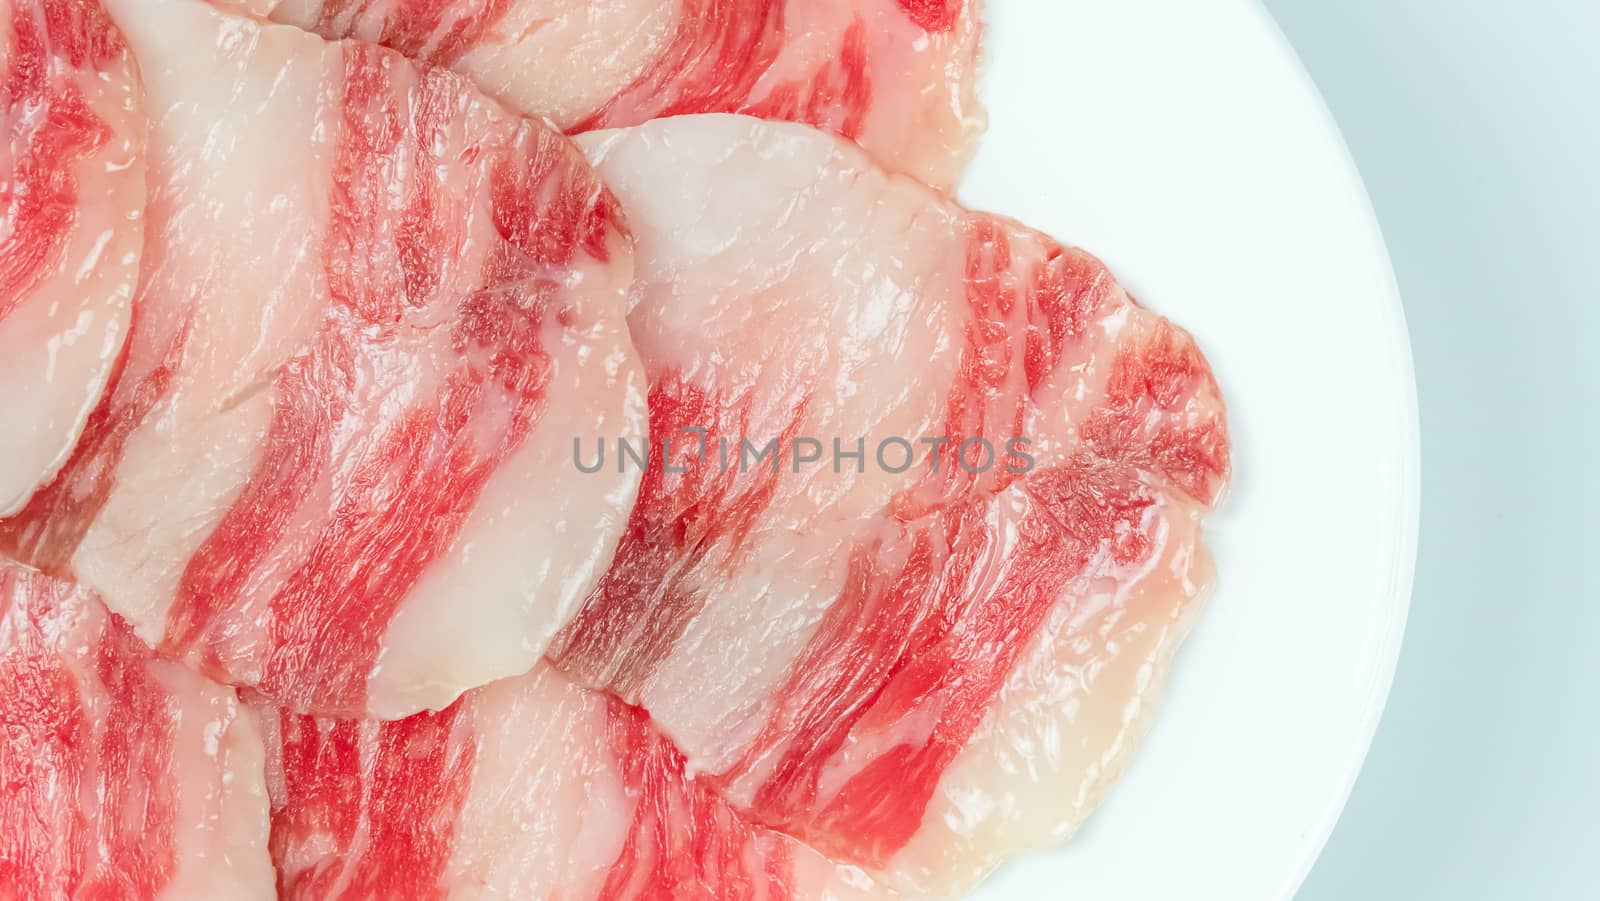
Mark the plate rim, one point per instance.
(1408, 498)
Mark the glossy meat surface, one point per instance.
(527, 788)
(898, 76)
(71, 198)
(922, 657)
(376, 312)
(124, 776)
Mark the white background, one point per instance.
(1476, 125)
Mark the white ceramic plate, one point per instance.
(1181, 141)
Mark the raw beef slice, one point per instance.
(377, 310)
(527, 788)
(124, 776)
(71, 201)
(918, 656)
(898, 76)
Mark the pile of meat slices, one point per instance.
(318, 319)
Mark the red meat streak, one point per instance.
(46, 532)
(381, 807)
(52, 131)
(716, 55)
(638, 611)
(378, 802)
(432, 31)
(836, 97)
(55, 757)
(717, 52)
(685, 841)
(926, 620)
(414, 484)
(409, 488)
(712, 62)
(934, 16)
(49, 529)
(921, 625)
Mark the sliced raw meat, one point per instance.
(124, 776)
(377, 311)
(528, 788)
(71, 200)
(899, 76)
(927, 657)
